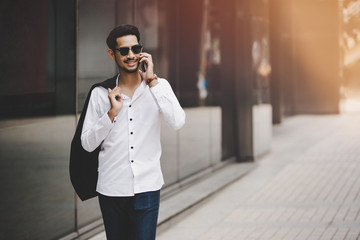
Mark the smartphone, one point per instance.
(143, 66)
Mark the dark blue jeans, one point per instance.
(130, 218)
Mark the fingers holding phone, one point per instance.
(143, 66)
(146, 65)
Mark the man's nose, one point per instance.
(131, 54)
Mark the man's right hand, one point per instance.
(116, 102)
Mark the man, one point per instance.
(125, 122)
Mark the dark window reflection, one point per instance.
(25, 88)
(37, 104)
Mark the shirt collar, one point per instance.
(138, 91)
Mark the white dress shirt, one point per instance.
(129, 158)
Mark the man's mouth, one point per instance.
(131, 63)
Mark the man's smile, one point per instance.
(131, 63)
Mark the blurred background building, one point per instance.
(236, 66)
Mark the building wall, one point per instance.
(306, 57)
(37, 82)
(53, 51)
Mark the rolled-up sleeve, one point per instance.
(169, 105)
(96, 126)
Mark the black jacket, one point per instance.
(83, 164)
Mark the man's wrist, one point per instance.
(153, 83)
(111, 115)
(149, 80)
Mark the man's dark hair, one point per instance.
(122, 30)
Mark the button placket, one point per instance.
(131, 131)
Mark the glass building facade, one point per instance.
(38, 76)
(215, 54)
(54, 52)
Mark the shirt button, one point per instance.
(131, 133)
(132, 147)
(129, 105)
(132, 161)
(130, 119)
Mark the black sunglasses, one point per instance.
(124, 51)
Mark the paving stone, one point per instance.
(304, 234)
(353, 234)
(293, 233)
(280, 234)
(341, 234)
(328, 234)
(316, 234)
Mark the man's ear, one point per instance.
(111, 54)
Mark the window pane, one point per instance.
(37, 199)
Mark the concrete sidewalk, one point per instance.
(308, 187)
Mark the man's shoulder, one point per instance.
(108, 83)
(100, 87)
(165, 83)
(163, 80)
